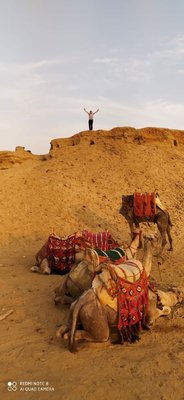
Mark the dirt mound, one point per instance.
(79, 185)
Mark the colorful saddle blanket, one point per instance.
(60, 251)
(101, 240)
(130, 271)
(116, 255)
(144, 204)
(128, 298)
(132, 304)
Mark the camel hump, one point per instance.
(158, 202)
(161, 207)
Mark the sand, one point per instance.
(79, 185)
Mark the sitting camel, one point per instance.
(81, 275)
(42, 263)
(81, 244)
(97, 308)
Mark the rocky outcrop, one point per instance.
(126, 134)
(10, 158)
(159, 136)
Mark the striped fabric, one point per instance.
(129, 270)
(60, 250)
(116, 255)
(100, 240)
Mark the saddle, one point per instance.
(116, 255)
(101, 240)
(130, 271)
(129, 297)
(60, 251)
(144, 204)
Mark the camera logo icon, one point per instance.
(12, 386)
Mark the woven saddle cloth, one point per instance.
(129, 271)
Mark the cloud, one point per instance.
(105, 60)
(143, 68)
(159, 113)
(47, 96)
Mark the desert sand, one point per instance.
(79, 185)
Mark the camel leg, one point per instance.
(65, 328)
(83, 335)
(163, 238)
(63, 300)
(35, 268)
(154, 315)
(41, 270)
(67, 299)
(61, 331)
(170, 238)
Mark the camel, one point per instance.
(161, 218)
(42, 262)
(96, 309)
(81, 275)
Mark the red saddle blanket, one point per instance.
(100, 240)
(132, 303)
(60, 251)
(144, 204)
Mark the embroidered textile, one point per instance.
(60, 251)
(100, 240)
(144, 204)
(116, 255)
(132, 302)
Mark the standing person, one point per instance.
(91, 113)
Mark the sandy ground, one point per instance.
(79, 185)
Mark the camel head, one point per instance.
(127, 206)
(153, 238)
(179, 291)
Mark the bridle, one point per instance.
(139, 234)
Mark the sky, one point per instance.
(125, 57)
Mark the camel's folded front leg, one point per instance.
(155, 314)
(83, 335)
(61, 331)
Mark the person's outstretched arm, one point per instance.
(86, 111)
(96, 111)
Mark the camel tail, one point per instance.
(75, 315)
(169, 220)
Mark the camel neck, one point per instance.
(147, 257)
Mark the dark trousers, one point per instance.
(90, 124)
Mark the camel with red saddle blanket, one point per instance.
(59, 254)
(147, 207)
(114, 301)
(80, 277)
